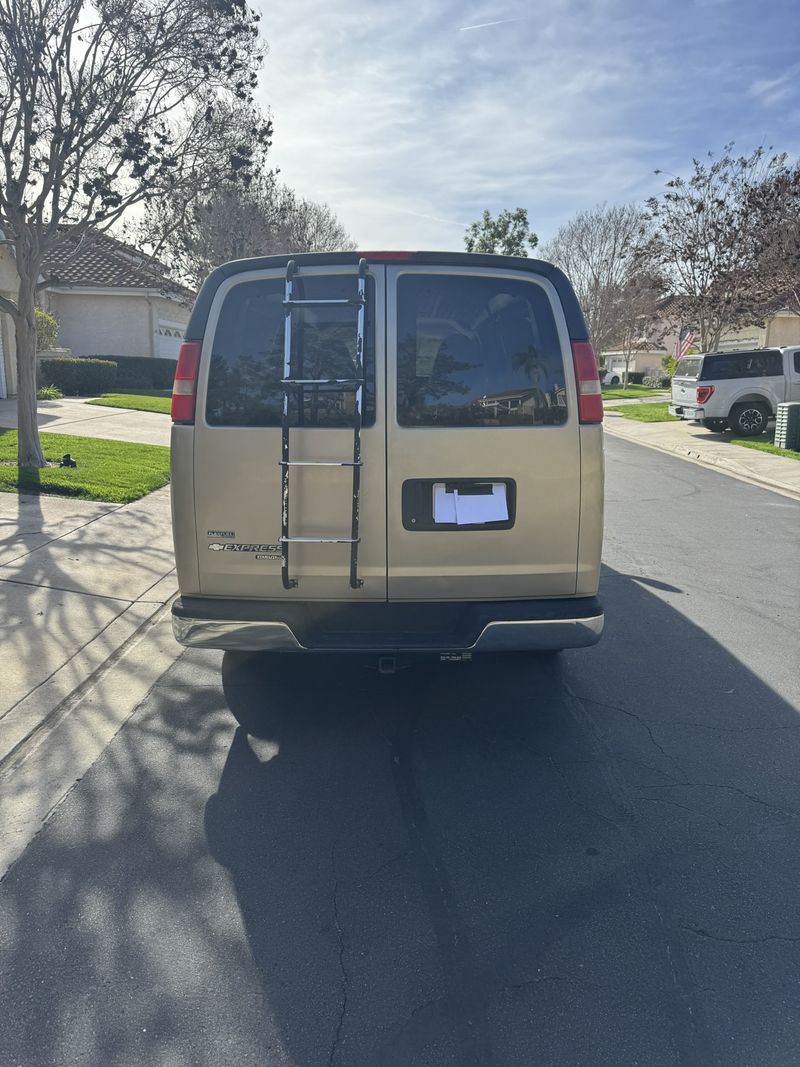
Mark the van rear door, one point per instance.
(483, 438)
(237, 438)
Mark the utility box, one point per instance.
(787, 426)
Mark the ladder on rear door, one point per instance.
(356, 383)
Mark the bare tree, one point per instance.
(104, 107)
(776, 207)
(312, 226)
(707, 236)
(638, 326)
(237, 221)
(508, 235)
(597, 250)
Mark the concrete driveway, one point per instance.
(75, 416)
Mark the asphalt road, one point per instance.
(513, 862)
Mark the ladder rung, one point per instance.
(318, 463)
(322, 381)
(322, 540)
(346, 302)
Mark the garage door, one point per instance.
(170, 335)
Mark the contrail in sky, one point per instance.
(484, 25)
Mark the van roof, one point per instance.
(576, 324)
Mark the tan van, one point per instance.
(387, 451)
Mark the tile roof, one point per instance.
(97, 260)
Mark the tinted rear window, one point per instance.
(762, 364)
(244, 379)
(477, 351)
(688, 367)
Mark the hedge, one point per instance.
(78, 376)
(658, 380)
(142, 372)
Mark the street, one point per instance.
(591, 859)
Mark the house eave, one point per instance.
(117, 290)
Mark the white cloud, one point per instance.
(409, 129)
(770, 91)
(486, 25)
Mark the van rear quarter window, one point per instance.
(244, 379)
(477, 351)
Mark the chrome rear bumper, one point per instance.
(476, 628)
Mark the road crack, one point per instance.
(731, 789)
(690, 722)
(647, 724)
(345, 977)
(700, 932)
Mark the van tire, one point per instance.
(749, 419)
(614, 380)
(716, 425)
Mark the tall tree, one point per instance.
(237, 221)
(707, 235)
(776, 207)
(105, 106)
(597, 250)
(508, 235)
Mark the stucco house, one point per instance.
(109, 300)
(781, 327)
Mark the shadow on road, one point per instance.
(509, 862)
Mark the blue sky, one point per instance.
(410, 118)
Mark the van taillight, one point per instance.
(590, 397)
(185, 384)
(703, 393)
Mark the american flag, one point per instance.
(684, 340)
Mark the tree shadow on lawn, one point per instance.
(512, 861)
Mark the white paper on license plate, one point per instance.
(444, 504)
(471, 509)
(475, 508)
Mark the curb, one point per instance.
(693, 456)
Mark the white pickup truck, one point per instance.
(740, 390)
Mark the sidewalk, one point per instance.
(79, 583)
(698, 445)
(74, 416)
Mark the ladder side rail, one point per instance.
(361, 373)
(288, 583)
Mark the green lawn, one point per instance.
(633, 392)
(107, 470)
(647, 413)
(157, 400)
(765, 443)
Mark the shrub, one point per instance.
(49, 392)
(142, 372)
(46, 331)
(636, 377)
(657, 381)
(78, 376)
